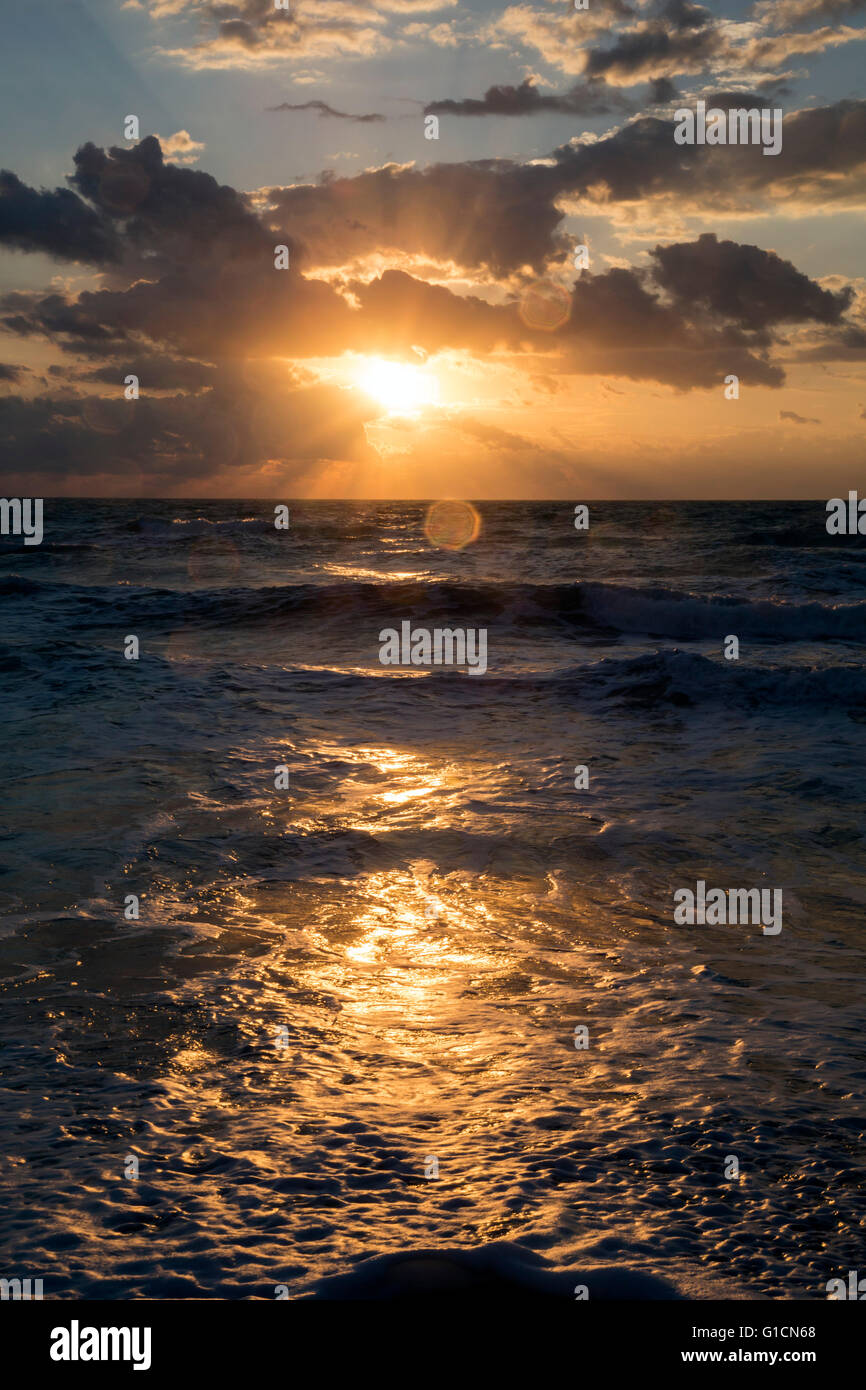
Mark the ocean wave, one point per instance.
(380, 602)
(686, 617)
(180, 528)
(670, 678)
(686, 678)
(10, 552)
(654, 612)
(809, 537)
(17, 586)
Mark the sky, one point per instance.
(432, 168)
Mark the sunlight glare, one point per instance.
(401, 388)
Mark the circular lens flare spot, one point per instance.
(545, 305)
(452, 525)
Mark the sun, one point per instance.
(401, 388)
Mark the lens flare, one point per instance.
(452, 525)
(545, 305)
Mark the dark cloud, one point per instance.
(734, 98)
(10, 373)
(620, 326)
(239, 31)
(183, 440)
(126, 205)
(155, 372)
(682, 15)
(487, 213)
(797, 419)
(655, 49)
(238, 310)
(58, 317)
(325, 110)
(56, 222)
(662, 92)
(744, 284)
(166, 211)
(583, 99)
(641, 161)
(847, 343)
(617, 324)
(685, 38)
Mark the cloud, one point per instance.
(325, 110)
(483, 213)
(847, 343)
(683, 15)
(662, 92)
(651, 49)
(189, 301)
(250, 33)
(57, 223)
(584, 99)
(180, 147)
(416, 6)
(777, 13)
(772, 50)
(157, 371)
(497, 438)
(667, 40)
(239, 308)
(183, 441)
(797, 419)
(823, 161)
(744, 284)
(620, 325)
(559, 37)
(161, 214)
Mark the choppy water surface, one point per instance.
(431, 908)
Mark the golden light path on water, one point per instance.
(402, 953)
(428, 1013)
(430, 1016)
(432, 978)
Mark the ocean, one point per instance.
(418, 1002)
